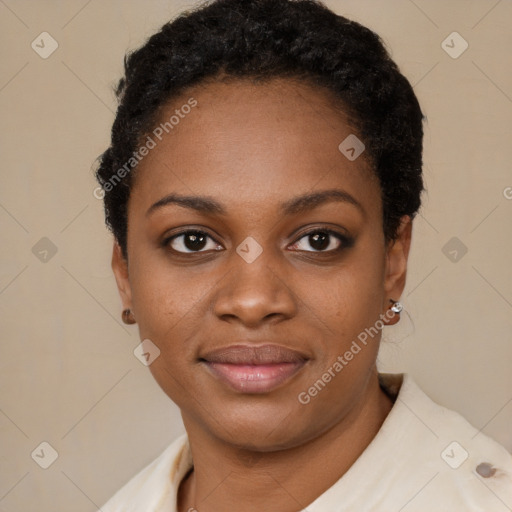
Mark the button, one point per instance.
(485, 469)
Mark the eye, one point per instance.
(321, 241)
(192, 241)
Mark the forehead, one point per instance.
(242, 141)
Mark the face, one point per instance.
(256, 258)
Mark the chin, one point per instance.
(264, 427)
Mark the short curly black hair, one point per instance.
(262, 40)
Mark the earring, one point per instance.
(128, 317)
(396, 306)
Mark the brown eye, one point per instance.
(321, 241)
(192, 241)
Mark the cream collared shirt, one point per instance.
(424, 458)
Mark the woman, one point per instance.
(261, 184)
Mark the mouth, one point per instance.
(254, 369)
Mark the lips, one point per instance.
(254, 369)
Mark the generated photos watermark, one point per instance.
(143, 150)
(304, 397)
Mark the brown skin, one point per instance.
(253, 148)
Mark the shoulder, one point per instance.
(155, 486)
(468, 469)
(424, 457)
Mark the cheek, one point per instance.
(170, 308)
(169, 302)
(344, 300)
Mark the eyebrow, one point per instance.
(300, 204)
(310, 201)
(198, 203)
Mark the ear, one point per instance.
(397, 253)
(120, 268)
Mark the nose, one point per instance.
(254, 294)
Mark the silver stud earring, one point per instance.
(396, 307)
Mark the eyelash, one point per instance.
(345, 241)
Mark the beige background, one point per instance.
(68, 374)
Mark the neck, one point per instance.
(227, 478)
